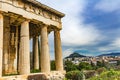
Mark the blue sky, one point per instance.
(90, 27)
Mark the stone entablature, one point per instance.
(33, 10)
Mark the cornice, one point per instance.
(46, 8)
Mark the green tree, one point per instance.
(100, 64)
(53, 65)
(118, 62)
(93, 66)
(85, 66)
(107, 75)
(75, 75)
(69, 66)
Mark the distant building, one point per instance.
(107, 59)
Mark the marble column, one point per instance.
(45, 56)
(6, 44)
(39, 50)
(24, 55)
(11, 57)
(58, 51)
(35, 53)
(16, 50)
(1, 42)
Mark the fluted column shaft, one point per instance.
(58, 51)
(1, 42)
(35, 53)
(16, 52)
(24, 55)
(6, 44)
(45, 56)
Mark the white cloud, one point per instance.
(65, 5)
(80, 35)
(75, 32)
(108, 5)
(114, 45)
(105, 48)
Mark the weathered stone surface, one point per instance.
(6, 44)
(56, 75)
(37, 77)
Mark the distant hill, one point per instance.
(73, 55)
(110, 54)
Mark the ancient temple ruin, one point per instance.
(21, 20)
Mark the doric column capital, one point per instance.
(1, 17)
(44, 25)
(26, 20)
(24, 27)
(35, 37)
(57, 29)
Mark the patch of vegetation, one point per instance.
(100, 71)
(10, 74)
(53, 67)
(89, 74)
(108, 75)
(35, 71)
(84, 66)
(75, 75)
(69, 66)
